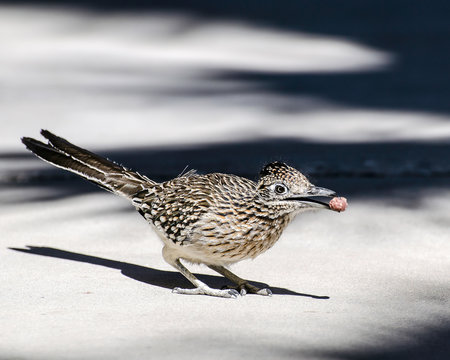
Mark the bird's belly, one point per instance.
(228, 245)
(224, 242)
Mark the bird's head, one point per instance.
(287, 190)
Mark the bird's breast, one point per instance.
(234, 238)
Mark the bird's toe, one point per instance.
(265, 292)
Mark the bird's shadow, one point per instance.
(161, 278)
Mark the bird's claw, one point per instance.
(265, 292)
(247, 288)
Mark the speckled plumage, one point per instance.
(213, 219)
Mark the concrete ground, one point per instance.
(82, 276)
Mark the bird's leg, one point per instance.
(242, 285)
(200, 287)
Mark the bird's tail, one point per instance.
(101, 171)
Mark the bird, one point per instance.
(212, 219)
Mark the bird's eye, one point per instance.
(280, 189)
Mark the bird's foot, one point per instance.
(205, 290)
(247, 288)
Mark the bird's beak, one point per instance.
(318, 191)
(315, 191)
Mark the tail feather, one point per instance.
(86, 157)
(62, 160)
(92, 167)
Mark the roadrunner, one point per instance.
(213, 219)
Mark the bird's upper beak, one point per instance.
(315, 191)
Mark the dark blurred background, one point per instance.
(414, 33)
(342, 90)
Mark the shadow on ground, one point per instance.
(428, 342)
(161, 278)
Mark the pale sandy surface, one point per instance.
(81, 274)
(383, 266)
